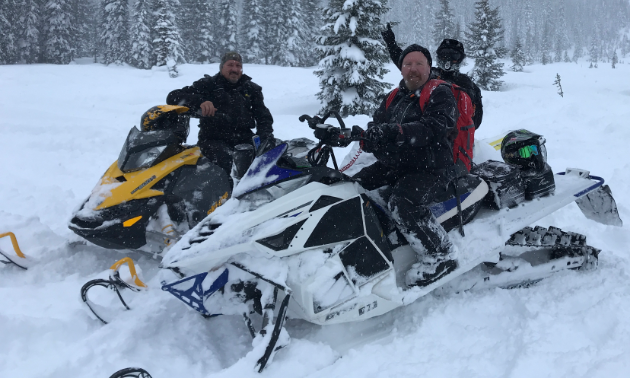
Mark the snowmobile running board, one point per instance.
(22, 261)
(115, 283)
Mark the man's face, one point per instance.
(232, 70)
(415, 70)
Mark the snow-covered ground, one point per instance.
(62, 126)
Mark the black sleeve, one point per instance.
(438, 121)
(380, 113)
(478, 106)
(394, 52)
(193, 95)
(264, 120)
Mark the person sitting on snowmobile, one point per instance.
(414, 156)
(233, 94)
(450, 55)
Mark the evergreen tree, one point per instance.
(115, 32)
(30, 20)
(518, 57)
(353, 57)
(167, 43)
(140, 54)
(58, 32)
(313, 24)
(530, 27)
(292, 46)
(565, 57)
(625, 46)
(483, 36)
(81, 14)
(444, 26)
(190, 19)
(593, 54)
(614, 59)
(226, 27)
(207, 42)
(276, 31)
(562, 38)
(252, 31)
(545, 48)
(9, 15)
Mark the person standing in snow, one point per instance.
(414, 156)
(230, 93)
(450, 55)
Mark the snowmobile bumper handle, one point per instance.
(584, 174)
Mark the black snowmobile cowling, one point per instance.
(158, 188)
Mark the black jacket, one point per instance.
(428, 135)
(242, 102)
(456, 78)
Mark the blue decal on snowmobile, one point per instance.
(264, 164)
(194, 294)
(441, 208)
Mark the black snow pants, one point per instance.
(411, 193)
(219, 152)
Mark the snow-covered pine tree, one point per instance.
(313, 19)
(58, 31)
(189, 20)
(545, 47)
(275, 31)
(444, 26)
(167, 44)
(562, 37)
(141, 52)
(30, 19)
(252, 31)
(9, 32)
(593, 54)
(293, 45)
(207, 41)
(81, 12)
(482, 38)
(625, 45)
(518, 57)
(353, 57)
(614, 59)
(565, 57)
(226, 27)
(530, 28)
(115, 32)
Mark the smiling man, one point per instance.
(413, 148)
(230, 93)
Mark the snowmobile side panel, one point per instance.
(138, 185)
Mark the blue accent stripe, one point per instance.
(600, 182)
(194, 295)
(442, 208)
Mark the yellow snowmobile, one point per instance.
(158, 188)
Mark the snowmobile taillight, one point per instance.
(132, 221)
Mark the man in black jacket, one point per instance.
(228, 93)
(450, 55)
(415, 157)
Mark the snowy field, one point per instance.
(62, 126)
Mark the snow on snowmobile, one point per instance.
(158, 188)
(310, 239)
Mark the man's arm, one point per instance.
(438, 120)
(392, 47)
(191, 96)
(478, 106)
(262, 115)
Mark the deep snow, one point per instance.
(62, 126)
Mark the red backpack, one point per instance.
(463, 144)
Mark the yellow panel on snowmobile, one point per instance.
(138, 184)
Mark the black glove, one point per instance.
(382, 135)
(388, 35)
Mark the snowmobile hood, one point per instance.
(116, 187)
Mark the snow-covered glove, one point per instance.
(382, 135)
(388, 35)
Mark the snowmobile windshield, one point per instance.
(144, 149)
(265, 177)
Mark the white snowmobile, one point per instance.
(308, 237)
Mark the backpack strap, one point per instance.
(427, 89)
(390, 98)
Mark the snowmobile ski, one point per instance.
(114, 283)
(7, 258)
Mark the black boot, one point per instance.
(437, 257)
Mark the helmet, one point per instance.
(450, 54)
(525, 149)
(167, 117)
